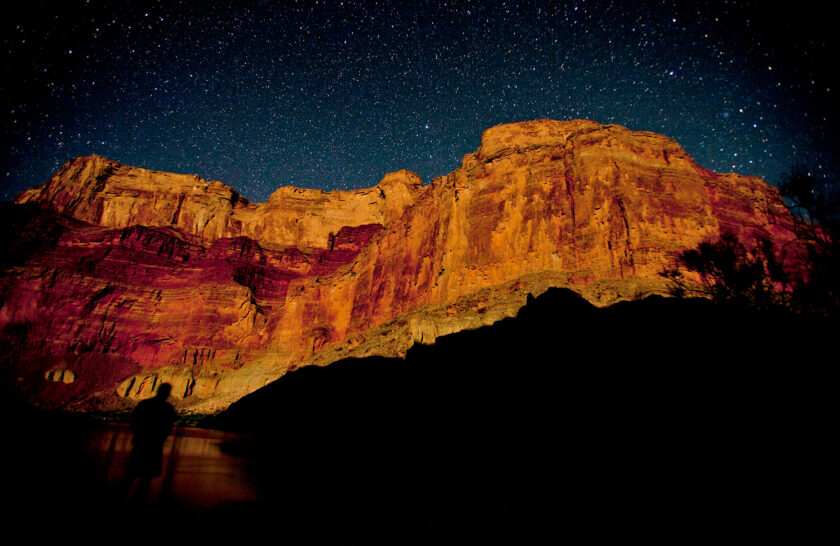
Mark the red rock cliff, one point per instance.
(166, 277)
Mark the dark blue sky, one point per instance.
(334, 94)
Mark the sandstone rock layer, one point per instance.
(156, 277)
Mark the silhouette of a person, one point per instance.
(151, 424)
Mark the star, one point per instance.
(331, 94)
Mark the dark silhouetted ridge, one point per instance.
(659, 412)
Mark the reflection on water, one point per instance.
(197, 473)
(65, 476)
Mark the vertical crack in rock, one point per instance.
(189, 387)
(176, 215)
(627, 243)
(128, 388)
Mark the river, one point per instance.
(318, 489)
(65, 472)
(197, 474)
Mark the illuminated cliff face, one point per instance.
(163, 277)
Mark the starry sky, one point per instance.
(335, 94)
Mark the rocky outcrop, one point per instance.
(105, 193)
(163, 277)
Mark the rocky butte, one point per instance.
(120, 278)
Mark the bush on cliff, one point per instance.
(731, 272)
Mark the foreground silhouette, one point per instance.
(653, 418)
(658, 415)
(152, 424)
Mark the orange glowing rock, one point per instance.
(166, 277)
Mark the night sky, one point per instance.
(334, 95)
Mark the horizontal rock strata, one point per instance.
(153, 277)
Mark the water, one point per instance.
(65, 477)
(316, 487)
(197, 474)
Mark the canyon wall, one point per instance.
(153, 276)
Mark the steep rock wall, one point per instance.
(173, 278)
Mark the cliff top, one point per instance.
(495, 142)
